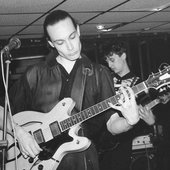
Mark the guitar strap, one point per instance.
(77, 92)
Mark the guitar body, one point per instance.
(13, 152)
(63, 127)
(33, 121)
(76, 145)
(66, 142)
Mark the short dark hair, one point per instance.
(114, 48)
(54, 17)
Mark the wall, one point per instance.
(145, 53)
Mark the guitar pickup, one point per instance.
(38, 135)
(55, 129)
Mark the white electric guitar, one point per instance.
(60, 126)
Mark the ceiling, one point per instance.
(24, 18)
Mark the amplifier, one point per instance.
(142, 142)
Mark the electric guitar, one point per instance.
(63, 127)
(157, 101)
(161, 99)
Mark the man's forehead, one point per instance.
(110, 56)
(62, 29)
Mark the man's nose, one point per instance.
(69, 45)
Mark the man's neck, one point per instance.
(67, 64)
(125, 71)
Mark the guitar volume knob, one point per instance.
(31, 160)
(40, 167)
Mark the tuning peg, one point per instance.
(160, 71)
(160, 90)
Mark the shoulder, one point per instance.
(33, 69)
(101, 68)
(103, 73)
(95, 67)
(43, 66)
(37, 72)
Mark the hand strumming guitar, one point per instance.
(27, 143)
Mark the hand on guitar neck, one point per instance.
(165, 98)
(127, 105)
(146, 114)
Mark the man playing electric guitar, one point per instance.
(116, 153)
(67, 73)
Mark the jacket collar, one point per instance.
(51, 59)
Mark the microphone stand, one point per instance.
(3, 142)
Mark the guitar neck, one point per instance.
(153, 103)
(97, 108)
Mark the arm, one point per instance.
(129, 109)
(19, 95)
(117, 124)
(26, 142)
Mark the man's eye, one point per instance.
(73, 36)
(59, 42)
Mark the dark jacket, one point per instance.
(40, 87)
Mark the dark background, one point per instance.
(146, 54)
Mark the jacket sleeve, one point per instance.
(20, 93)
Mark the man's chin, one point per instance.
(75, 57)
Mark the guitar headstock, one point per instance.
(159, 79)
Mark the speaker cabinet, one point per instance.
(143, 160)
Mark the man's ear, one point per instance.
(123, 56)
(51, 44)
(78, 30)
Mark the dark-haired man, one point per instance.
(69, 73)
(117, 153)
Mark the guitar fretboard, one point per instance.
(153, 103)
(97, 109)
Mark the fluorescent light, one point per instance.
(106, 30)
(160, 7)
(100, 26)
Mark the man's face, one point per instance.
(116, 63)
(65, 38)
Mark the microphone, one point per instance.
(14, 43)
